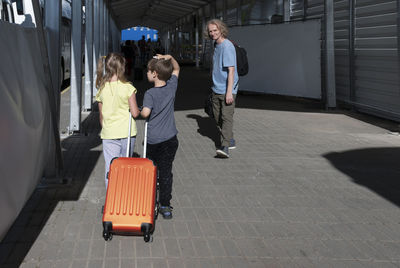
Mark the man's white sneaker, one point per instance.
(223, 152)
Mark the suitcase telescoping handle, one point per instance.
(145, 139)
(128, 145)
(129, 137)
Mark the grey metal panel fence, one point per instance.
(342, 42)
(297, 9)
(376, 57)
(315, 9)
(366, 51)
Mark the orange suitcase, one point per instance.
(131, 205)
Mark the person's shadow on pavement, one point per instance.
(207, 128)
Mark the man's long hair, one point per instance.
(220, 25)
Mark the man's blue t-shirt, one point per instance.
(224, 57)
(160, 100)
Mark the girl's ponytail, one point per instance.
(100, 72)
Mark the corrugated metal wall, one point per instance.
(366, 52)
(376, 57)
(342, 42)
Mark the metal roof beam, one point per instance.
(176, 7)
(158, 20)
(199, 2)
(181, 3)
(128, 3)
(131, 12)
(164, 16)
(174, 11)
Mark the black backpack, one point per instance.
(241, 60)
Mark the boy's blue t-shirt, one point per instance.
(161, 100)
(224, 57)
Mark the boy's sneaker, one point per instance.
(223, 152)
(232, 144)
(166, 212)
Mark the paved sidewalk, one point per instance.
(304, 188)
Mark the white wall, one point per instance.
(283, 58)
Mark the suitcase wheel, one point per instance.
(107, 227)
(145, 228)
(148, 238)
(107, 236)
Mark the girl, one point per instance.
(116, 97)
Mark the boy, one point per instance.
(158, 105)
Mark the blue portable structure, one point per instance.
(136, 33)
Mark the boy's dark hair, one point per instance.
(162, 67)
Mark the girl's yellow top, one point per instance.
(114, 97)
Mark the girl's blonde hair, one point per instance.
(108, 66)
(220, 25)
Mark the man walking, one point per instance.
(225, 84)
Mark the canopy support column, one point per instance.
(224, 13)
(168, 42)
(239, 12)
(96, 41)
(55, 162)
(213, 9)
(286, 10)
(330, 55)
(88, 55)
(197, 37)
(52, 23)
(76, 67)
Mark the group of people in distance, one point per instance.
(143, 51)
(116, 96)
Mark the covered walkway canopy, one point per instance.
(156, 14)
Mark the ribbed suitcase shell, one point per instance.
(131, 194)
